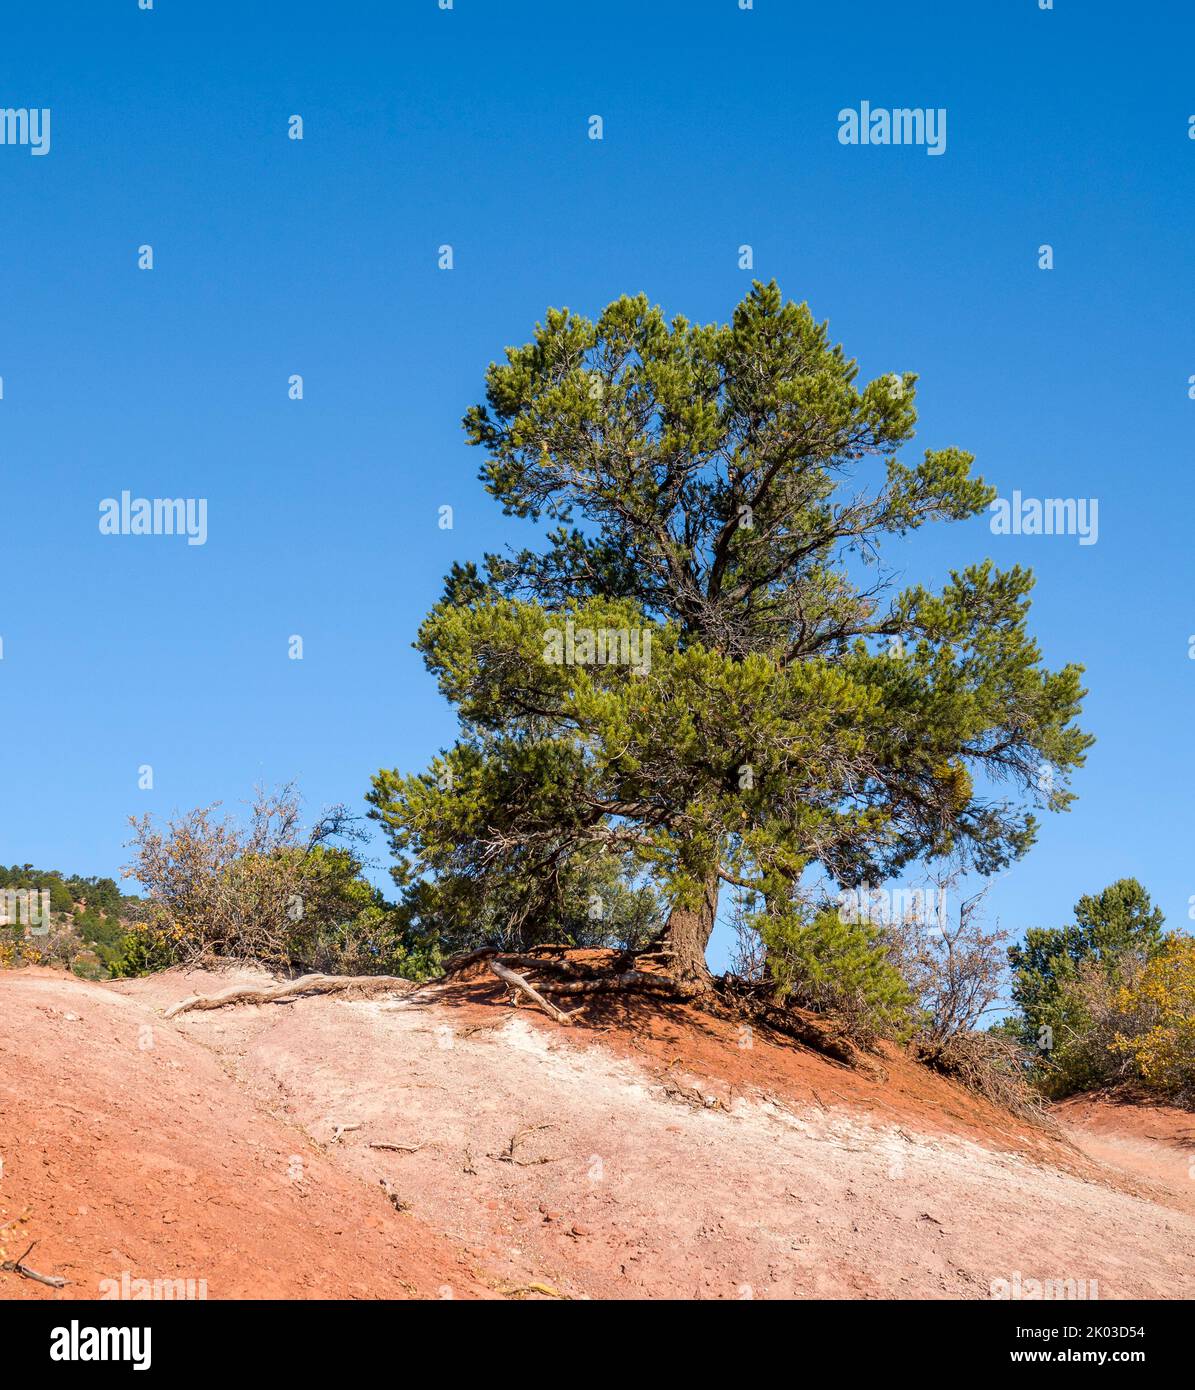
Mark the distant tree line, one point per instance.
(1107, 1000)
(90, 922)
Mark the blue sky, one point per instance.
(469, 127)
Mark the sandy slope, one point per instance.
(1155, 1142)
(126, 1148)
(652, 1152)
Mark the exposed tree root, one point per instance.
(727, 997)
(579, 977)
(530, 961)
(822, 1035)
(462, 962)
(626, 979)
(293, 989)
(518, 983)
(18, 1266)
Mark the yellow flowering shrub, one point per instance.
(1160, 1001)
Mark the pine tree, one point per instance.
(1107, 926)
(719, 497)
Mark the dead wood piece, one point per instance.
(480, 1028)
(511, 1156)
(292, 989)
(691, 1095)
(399, 1148)
(395, 1200)
(517, 982)
(628, 979)
(18, 1266)
(522, 1290)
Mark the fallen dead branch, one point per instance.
(511, 1154)
(479, 1028)
(519, 984)
(691, 1095)
(521, 1291)
(18, 1266)
(399, 1148)
(292, 989)
(394, 1199)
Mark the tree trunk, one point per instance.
(687, 934)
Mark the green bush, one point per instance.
(1109, 926)
(264, 891)
(374, 942)
(820, 962)
(1127, 1021)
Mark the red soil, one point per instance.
(646, 1151)
(129, 1149)
(1154, 1142)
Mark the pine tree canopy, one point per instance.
(705, 663)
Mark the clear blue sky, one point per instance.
(469, 127)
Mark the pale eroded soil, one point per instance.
(656, 1153)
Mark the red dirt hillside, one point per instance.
(437, 1143)
(126, 1147)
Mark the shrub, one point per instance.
(1128, 1022)
(1117, 923)
(956, 971)
(375, 942)
(994, 1064)
(1156, 1011)
(88, 966)
(15, 951)
(265, 891)
(819, 962)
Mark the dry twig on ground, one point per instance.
(292, 989)
(18, 1266)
